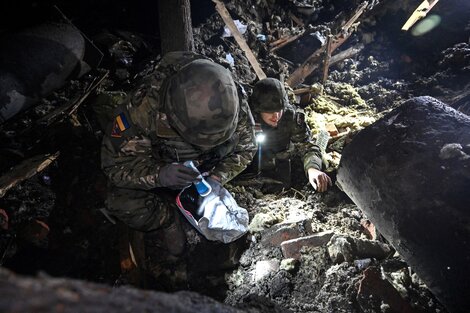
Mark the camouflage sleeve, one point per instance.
(233, 164)
(127, 158)
(302, 139)
(130, 165)
(126, 153)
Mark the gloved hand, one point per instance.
(176, 176)
(319, 180)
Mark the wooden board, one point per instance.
(220, 7)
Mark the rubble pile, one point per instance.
(309, 253)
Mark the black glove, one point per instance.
(176, 176)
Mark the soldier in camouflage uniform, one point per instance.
(188, 108)
(285, 134)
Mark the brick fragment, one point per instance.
(281, 232)
(331, 129)
(291, 248)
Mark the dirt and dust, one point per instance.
(336, 267)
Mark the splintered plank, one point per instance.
(278, 44)
(312, 61)
(326, 63)
(334, 59)
(27, 169)
(421, 12)
(220, 7)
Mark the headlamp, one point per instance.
(260, 138)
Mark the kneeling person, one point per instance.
(188, 108)
(284, 134)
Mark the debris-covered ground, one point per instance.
(340, 263)
(306, 252)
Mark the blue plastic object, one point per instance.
(202, 186)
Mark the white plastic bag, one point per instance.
(217, 216)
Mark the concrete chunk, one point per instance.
(266, 267)
(345, 248)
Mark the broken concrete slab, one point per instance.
(277, 236)
(343, 248)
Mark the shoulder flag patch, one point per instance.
(120, 124)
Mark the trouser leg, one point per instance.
(156, 224)
(166, 243)
(283, 172)
(140, 210)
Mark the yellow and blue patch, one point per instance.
(120, 125)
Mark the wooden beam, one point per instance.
(356, 15)
(302, 90)
(25, 170)
(310, 64)
(285, 42)
(346, 54)
(176, 32)
(326, 62)
(305, 69)
(278, 41)
(334, 59)
(222, 10)
(420, 12)
(297, 20)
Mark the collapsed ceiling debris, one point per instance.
(346, 63)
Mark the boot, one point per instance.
(132, 256)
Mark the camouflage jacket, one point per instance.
(293, 136)
(132, 158)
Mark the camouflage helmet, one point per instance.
(269, 95)
(201, 103)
